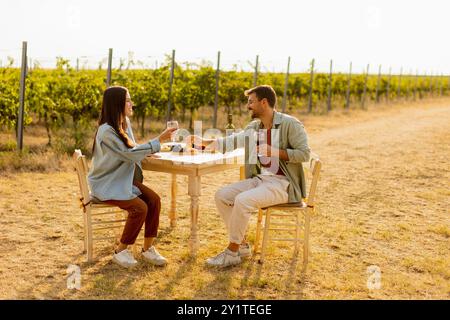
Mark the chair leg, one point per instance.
(306, 240)
(90, 245)
(297, 232)
(85, 236)
(258, 230)
(265, 236)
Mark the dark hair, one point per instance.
(263, 92)
(113, 111)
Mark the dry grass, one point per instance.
(383, 200)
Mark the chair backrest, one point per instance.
(82, 170)
(314, 171)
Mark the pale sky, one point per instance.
(408, 34)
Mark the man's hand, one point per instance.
(269, 151)
(265, 150)
(200, 143)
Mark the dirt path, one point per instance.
(383, 200)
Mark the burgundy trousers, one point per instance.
(142, 209)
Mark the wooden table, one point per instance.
(194, 166)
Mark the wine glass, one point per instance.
(172, 124)
(260, 138)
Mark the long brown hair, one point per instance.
(113, 112)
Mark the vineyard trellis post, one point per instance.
(311, 82)
(108, 73)
(216, 97)
(408, 84)
(422, 85)
(415, 85)
(169, 102)
(347, 95)
(430, 89)
(377, 90)
(78, 64)
(23, 74)
(399, 83)
(330, 84)
(388, 85)
(436, 83)
(286, 83)
(440, 84)
(363, 100)
(255, 75)
(448, 84)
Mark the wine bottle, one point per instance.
(229, 128)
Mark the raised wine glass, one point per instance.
(173, 124)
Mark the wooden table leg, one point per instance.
(194, 193)
(173, 202)
(242, 172)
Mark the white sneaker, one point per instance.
(154, 257)
(245, 250)
(124, 258)
(225, 259)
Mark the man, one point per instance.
(276, 176)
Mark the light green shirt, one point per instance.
(288, 134)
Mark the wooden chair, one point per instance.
(96, 214)
(296, 210)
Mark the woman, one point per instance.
(116, 175)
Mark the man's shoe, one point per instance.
(245, 250)
(225, 259)
(124, 258)
(154, 257)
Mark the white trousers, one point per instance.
(237, 201)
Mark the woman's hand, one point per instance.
(166, 134)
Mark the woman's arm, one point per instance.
(113, 143)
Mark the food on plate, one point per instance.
(165, 148)
(172, 146)
(183, 149)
